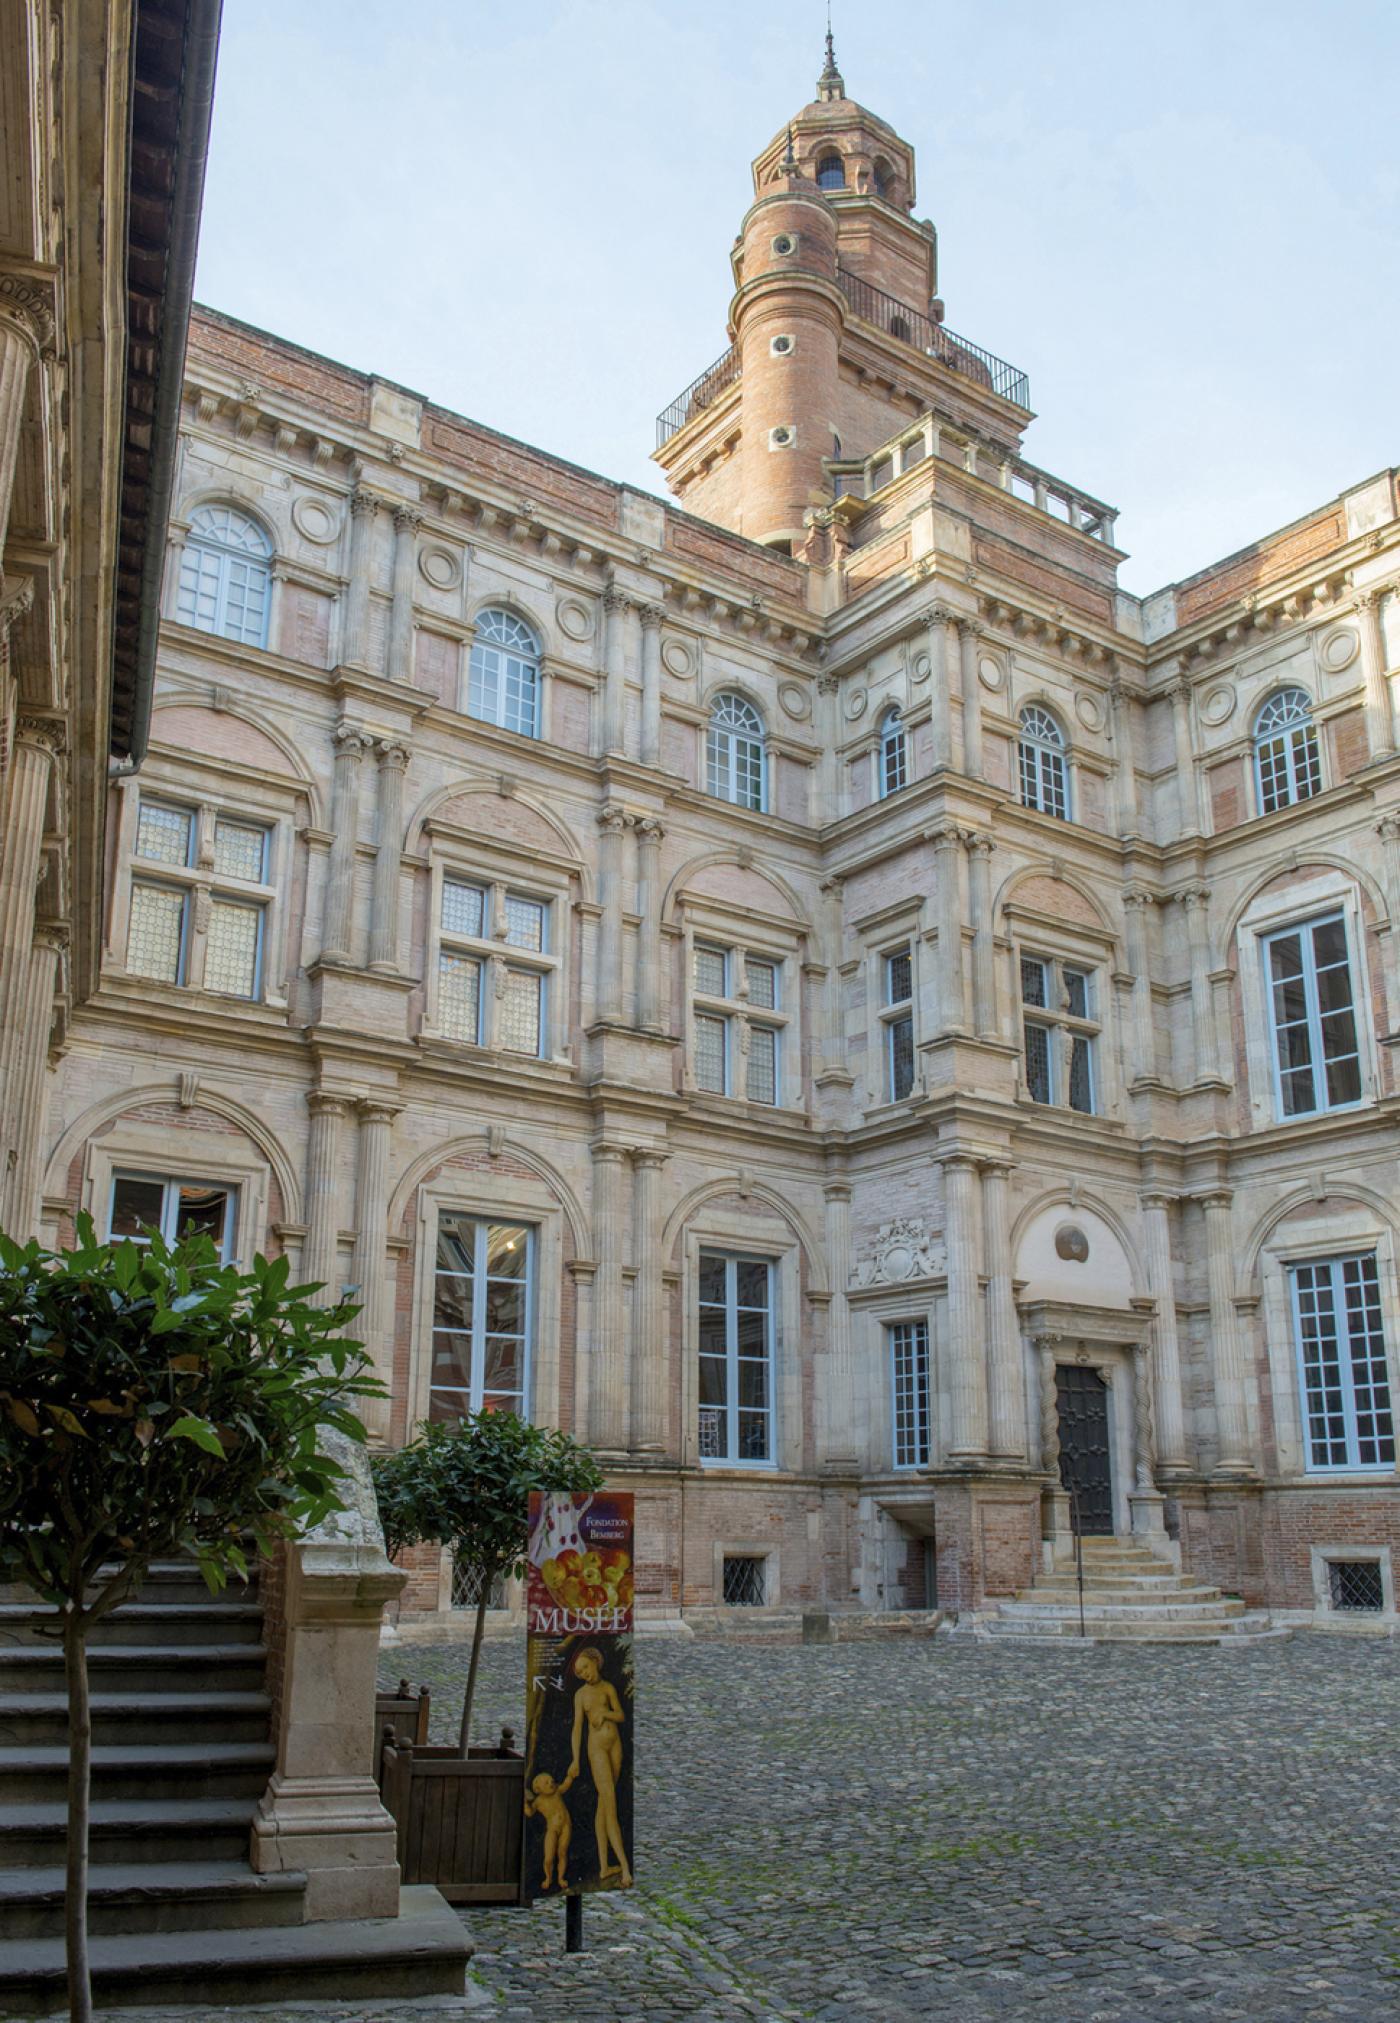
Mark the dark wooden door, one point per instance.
(1081, 1396)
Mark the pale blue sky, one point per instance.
(1182, 221)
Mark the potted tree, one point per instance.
(155, 1402)
(466, 1485)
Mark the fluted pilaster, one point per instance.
(26, 326)
(407, 521)
(21, 1202)
(967, 1365)
(607, 1373)
(613, 824)
(651, 1362)
(320, 1250)
(938, 620)
(1161, 1279)
(1195, 901)
(38, 741)
(354, 635)
(969, 649)
(376, 1123)
(984, 972)
(652, 1007)
(947, 845)
(1006, 1390)
(839, 1443)
(384, 920)
(1227, 1350)
(1137, 913)
(650, 616)
(616, 608)
(338, 917)
(1380, 716)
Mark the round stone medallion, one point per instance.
(440, 567)
(1071, 1243)
(920, 667)
(575, 619)
(795, 700)
(856, 699)
(1218, 706)
(677, 659)
(1089, 710)
(1339, 649)
(990, 672)
(315, 520)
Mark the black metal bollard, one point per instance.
(573, 1924)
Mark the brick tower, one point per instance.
(837, 334)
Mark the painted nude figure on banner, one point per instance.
(596, 1702)
(547, 1799)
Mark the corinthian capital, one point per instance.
(614, 819)
(26, 301)
(407, 518)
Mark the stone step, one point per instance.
(140, 1622)
(33, 1833)
(1108, 1591)
(166, 1581)
(138, 1717)
(422, 1952)
(123, 1668)
(1038, 1629)
(151, 1897)
(1175, 1610)
(140, 1770)
(1130, 1583)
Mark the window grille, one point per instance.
(232, 949)
(1044, 777)
(1355, 1586)
(734, 753)
(762, 980)
(712, 972)
(482, 1317)
(164, 835)
(461, 908)
(503, 674)
(240, 851)
(467, 1582)
(1287, 761)
(459, 997)
(155, 942)
(520, 1012)
(225, 575)
(894, 769)
(831, 173)
(1341, 1351)
(744, 1581)
(1316, 1046)
(909, 1370)
(736, 1358)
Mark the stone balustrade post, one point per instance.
(607, 1376)
(653, 1007)
(984, 968)
(1227, 1351)
(38, 741)
(337, 928)
(354, 636)
(1006, 1389)
(650, 616)
(1161, 1280)
(651, 1361)
(613, 824)
(967, 1363)
(616, 608)
(407, 521)
(370, 1267)
(388, 861)
(1196, 900)
(947, 845)
(1380, 717)
(839, 1419)
(969, 643)
(1137, 912)
(938, 619)
(26, 332)
(320, 1259)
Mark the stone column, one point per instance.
(26, 331)
(1145, 1502)
(650, 616)
(1125, 778)
(1380, 720)
(1006, 1390)
(1137, 912)
(831, 793)
(840, 1444)
(371, 1235)
(30, 1105)
(38, 742)
(1196, 899)
(615, 609)
(1227, 1351)
(384, 919)
(969, 634)
(337, 925)
(651, 1363)
(947, 845)
(832, 1045)
(938, 618)
(967, 1366)
(1161, 1279)
(320, 1246)
(1056, 1512)
(984, 969)
(653, 1006)
(354, 634)
(1187, 812)
(1388, 829)
(407, 521)
(613, 824)
(607, 1375)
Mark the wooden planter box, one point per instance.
(461, 1822)
(401, 1717)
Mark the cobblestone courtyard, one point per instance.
(951, 1829)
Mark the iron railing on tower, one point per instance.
(959, 354)
(698, 395)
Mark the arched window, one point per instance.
(1285, 751)
(831, 173)
(894, 753)
(884, 178)
(734, 758)
(1044, 777)
(504, 682)
(224, 575)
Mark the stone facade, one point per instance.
(788, 1035)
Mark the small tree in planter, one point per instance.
(466, 1485)
(154, 1401)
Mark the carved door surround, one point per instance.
(1115, 1342)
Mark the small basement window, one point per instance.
(743, 1581)
(1354, 1586)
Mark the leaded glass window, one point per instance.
(482, 1317)
(894, 755)
(504, 674)
(485, 997)
(898, 1020)
(1059, 1033)
(762, 1079)
(459, 997)
(1287, 763)
(909, 1378)
(233, 948)
(1312, 1003)
(164, 835)
(736, 1358)
(1044, 774)
(737, 1028)
(712, 1054)
(1347, 1415)
(155, 942)
(225, 575)
(240, 851)
(734, 753)
(206, 853)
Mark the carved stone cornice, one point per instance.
(27, 300)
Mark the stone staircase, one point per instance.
(181, 1756)
(1130, 1595)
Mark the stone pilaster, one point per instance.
(376, 1123)
(320, 1248)
(1142, 1051)
(967, 1365)
(1161, 1279)
(607, 1375)
(1380, 718)
(984, 971)
(938, 619)
(337, 926)
(831, 1051)
(650, 616)
(1006, 1389)
(1125, 774)
(651, 1362)
(38, 741)
(1188, 817)
(969, 638)
(1227, 1351)
(616, 608)
(407, 521)
(653, 1007)
(839, 1443)
(613, 824)
(384, 917)
(26, 330)
(1195, 901)
(354, 633)
(947, 844)
(21, 1197)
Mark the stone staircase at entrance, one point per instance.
(181, 1755)
(1129, 1595)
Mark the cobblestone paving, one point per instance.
(952, 1829)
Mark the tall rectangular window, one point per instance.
(1312, 1005)
(1059, 1032)
(478, 922)
(1342, 1363)
(737, 1023)
(156, 938)
(736, 1358)
(897, 971)
(220, 858)
(482, 1317)
(909, 1381)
